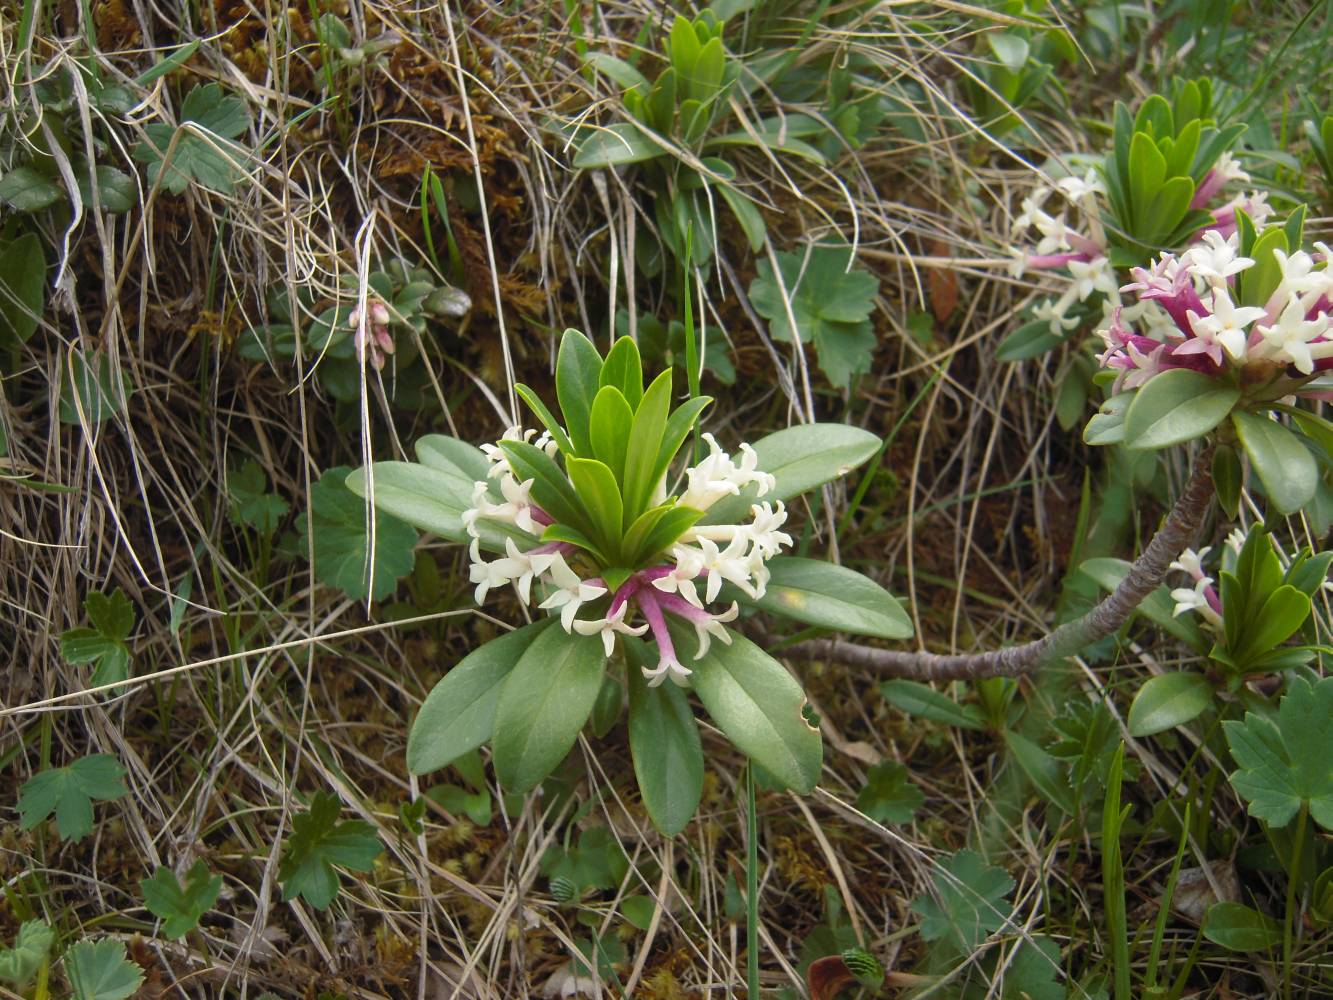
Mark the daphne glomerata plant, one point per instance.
(637, 543)
(579, 572)
(1237, 346)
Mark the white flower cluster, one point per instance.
(700, 561)
(1205, 330)
(1080, 249)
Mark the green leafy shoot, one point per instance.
(338, 522)
(889, 795)
(19, 963)
(105, 643)
(251, 505)
(210, 158)
(69, 792)
(101, 970)
(317, 843)
(970, 903)
(180, 906)
(830, 302)
(1283, 765)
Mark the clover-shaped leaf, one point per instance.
(317, 843)
(970, 904)
(889, 796)
(112, 618)
(210, 161)
(251, 503)
(181, 906)
(1283, 766)
(830, 304)
(69, 793)
(100, 970)
(341, 542)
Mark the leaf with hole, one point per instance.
(759, 706)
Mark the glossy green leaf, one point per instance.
(27, 190)
(819, 593)
(1176, 406)
(1169, 700)
(578, 368)
(543, 704)
(924, 701)
(650, 534)
(600, 493)
(453, 457)
(427, 498)
(1228, 479)
(609, 429)
(22, 287)
(623, 369)
(758, 705)
(650, 422)
(664, 743)
(458, 714)
(1238, 927)
(617, 145)
(547, 418)
(799, 459)
(1285, 467)
(1031, 340)
(1107, 425)
(678, 427)
(551, 489)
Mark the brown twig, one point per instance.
(1144, 576)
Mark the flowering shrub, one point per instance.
(583, 521)
(1156, 188)
(1237, 327)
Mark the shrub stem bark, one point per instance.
(1144, 576)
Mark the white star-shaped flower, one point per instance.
(571, 594)
(608, 627)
